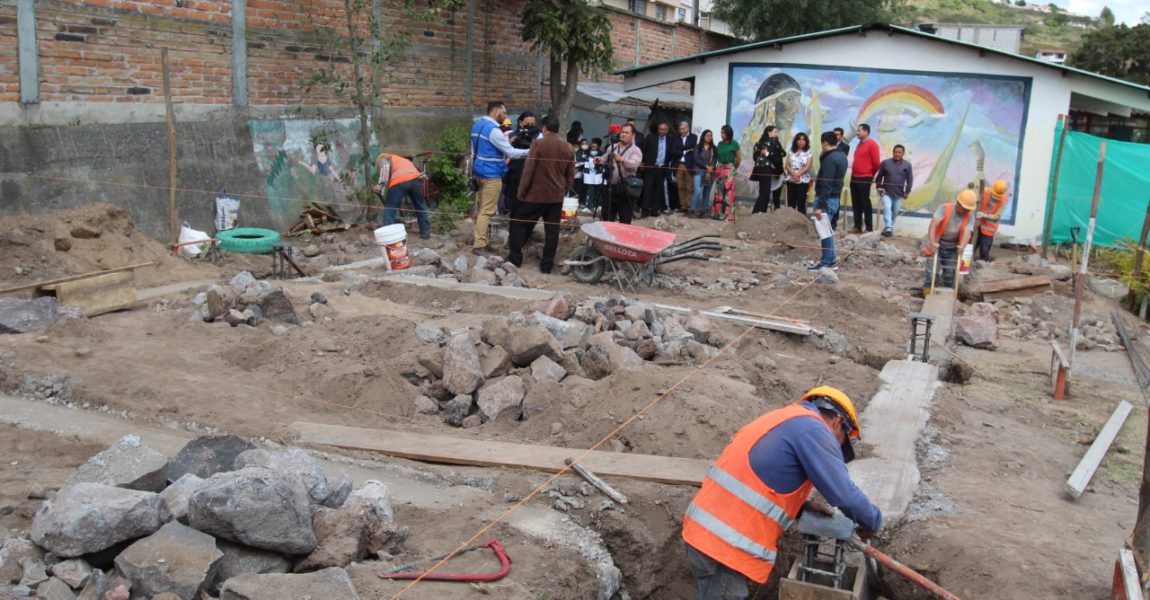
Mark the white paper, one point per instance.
(823, 226)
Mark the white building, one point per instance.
(1057, 57)
(1007, 38)
(963, 112)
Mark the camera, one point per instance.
(523, 137)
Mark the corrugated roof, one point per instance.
(860, 29)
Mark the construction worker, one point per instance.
(989, 217)
(762, 482)
(950, 230)
(399, 177)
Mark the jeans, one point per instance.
(714, 580)
(395, 194)
(828, 258)
(890, 210)
(701, 194)
(947, 261)
(828, 201)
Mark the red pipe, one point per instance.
(905, 571)
(504, 569)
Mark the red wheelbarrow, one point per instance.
(632, 252)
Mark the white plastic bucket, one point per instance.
(570, 208)
(392, 240)
(967, 256)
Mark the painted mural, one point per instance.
(957, 128)
(302, 161)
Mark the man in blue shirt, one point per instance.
(490, 150)
(828, 188)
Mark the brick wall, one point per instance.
(109, 51)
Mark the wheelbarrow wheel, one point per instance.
(591, 273)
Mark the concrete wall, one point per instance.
(1050, 95)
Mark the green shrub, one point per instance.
(444, 169)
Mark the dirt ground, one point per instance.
(990, 520)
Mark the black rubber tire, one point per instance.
(591, 273)
(248, 240)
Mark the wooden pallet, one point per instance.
(96, 295)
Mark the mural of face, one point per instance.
(778, 102)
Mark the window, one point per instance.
(660, 12)
(639, 6)
(682, 13)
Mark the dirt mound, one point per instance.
(83, 240)
(784, 226)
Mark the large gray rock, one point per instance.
(496, 363)
(432, 360)
(35, 573)
(340, 490)
(544, 369)
(496, 331)
(569, 334)
(207, 455)
(12, 553)
(95, 588)
(276, 306)
(328, 584)
(176, 559)
(640, 311)
(700, 327)
(127, 464)
(54, 589)
(290, 460)
(457, 409)
(19, 315)
(674, 332)
(529, 343)
(241, 560)
(500, 397)
(360, 528)
(462, 371)
(977, 332)
(219, 300)
(176, 495)
(637, 331)
(90, 517)
(74, 572)
(604, 357)
(430, 333)
(257, 507)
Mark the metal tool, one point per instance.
(903, 570)
(496, 547)
(919, 347)
(817, 531)
(594, 480)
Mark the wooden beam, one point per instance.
(170, 119)
(98, 295)
(484, 453)
(1126, 580)
(1080, 478)
(784, 326)
(1014, 283)
(40, 284)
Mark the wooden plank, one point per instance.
(99, 295)
(32, 286)
(783, 326)
(1014, 283)
(1080, 478)
(1126, 577)
(486, 453)
(940, 305)
(1015, 293)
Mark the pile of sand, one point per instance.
(786, 227)
(92, 238)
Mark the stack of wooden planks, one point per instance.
(317, 219)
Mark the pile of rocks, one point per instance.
(1047, 316)
(222, 519)
(487, 270)
(246, 300)
(473, 376)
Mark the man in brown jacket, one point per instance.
(548, 175)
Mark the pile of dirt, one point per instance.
(785, 227)
(83, 240)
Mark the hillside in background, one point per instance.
(1046, 29)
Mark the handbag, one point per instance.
(634, 187)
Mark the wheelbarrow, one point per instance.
(631, 252)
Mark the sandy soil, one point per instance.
(990, 520)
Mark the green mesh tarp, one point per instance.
(1125, 188)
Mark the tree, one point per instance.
(1107, 17)
(575, 35)
(768, 19)
(1120, 51)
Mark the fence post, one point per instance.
(1080, 282)
(1054, 185)
(1138, 256)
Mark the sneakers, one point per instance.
(816, 267)
(887, 233)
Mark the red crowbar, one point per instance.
(500, 553)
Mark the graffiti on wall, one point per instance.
(957, 129)
(306, 160)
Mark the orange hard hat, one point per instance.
(967, 199)
(999, 187)
(842, 402)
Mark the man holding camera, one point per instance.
(622, 160)
(547, 177)
(525, 133)
(490, 148)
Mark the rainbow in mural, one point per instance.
(958, 129)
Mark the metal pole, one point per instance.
(240, 53)
(1080, 284)
(1062, 120)
(470, 73)
(29, 52)
(1138, 256)
(171, 120)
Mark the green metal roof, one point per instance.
(861, 29)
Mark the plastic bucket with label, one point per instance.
(392, 240)
(570, 208)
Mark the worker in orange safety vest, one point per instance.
(762, 482)
(399, 177)
(989, 217)
(950, 231)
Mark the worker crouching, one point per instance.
(950, 230)
(762, 482)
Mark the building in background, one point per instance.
(1057, 57)
(1007, 38)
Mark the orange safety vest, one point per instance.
(947, 212)
(988, 227)
(402, 170)
(735, 518)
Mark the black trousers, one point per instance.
(767, 197)
(616, 204)
(523, 223)
(982, 245)
(797, 196)
(656, 181)
(860, 204)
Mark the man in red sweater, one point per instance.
(865, 165)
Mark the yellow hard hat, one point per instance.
(967, 199)
(999, 187)
(842, 402)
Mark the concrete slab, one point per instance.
(940, 305)
(891, 424)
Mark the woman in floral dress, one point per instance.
(723, 208)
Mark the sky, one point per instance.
(1125, 11)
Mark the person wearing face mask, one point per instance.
(582, 158)
(593, 177)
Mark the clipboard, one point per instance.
(823, 226)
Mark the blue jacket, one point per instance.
(491, 149)
(832, 171)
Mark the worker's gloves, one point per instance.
(864, 533)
